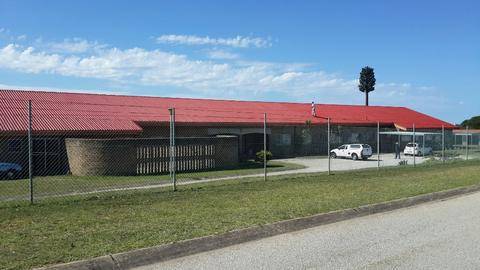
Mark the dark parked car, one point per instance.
(9, 170)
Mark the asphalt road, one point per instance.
(438, 235)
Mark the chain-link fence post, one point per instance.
(328, 144)
(265, 147)
(467, 135)
(173, 165)
(378, 145)
(414, 148)
(423, 146)
(443, 144)
(30, 158)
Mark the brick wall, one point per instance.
(149, 155)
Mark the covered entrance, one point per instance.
(424, 142)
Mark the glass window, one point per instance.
(286, 139)
(38, 145)
(51, 146)
(15, 145)
(306, 137)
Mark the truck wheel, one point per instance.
(354, 157)
(333, 155)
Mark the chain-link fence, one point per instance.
(56, 148)
(60, 148)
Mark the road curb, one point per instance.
(146, 256)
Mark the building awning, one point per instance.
(464, 131)
(409, 133)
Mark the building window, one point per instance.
(51, 146)
(285, 139)
(306, 136)
(354, 137)
(45, 155)
(14, 145)
(38, 146)
(45, 146)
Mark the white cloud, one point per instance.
(75, 45)
(238, 41)
(421, 98)
(221, 54)
(27, 60)
(54, 89)
(234, 78)
(138, 66)
(22, 37)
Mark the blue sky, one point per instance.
(426, 54)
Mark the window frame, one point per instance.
(9, 146)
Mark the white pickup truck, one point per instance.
(353, 151)
(416, 149)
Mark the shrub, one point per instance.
(260, 156)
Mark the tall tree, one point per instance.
(367, 82)
(473, 122)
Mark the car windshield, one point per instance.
(366, 146)
(410, 145)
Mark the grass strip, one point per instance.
(72, 228)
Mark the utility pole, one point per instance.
(173, 164)
(414, 147)
(378, 145)
(265, 147)
(467, 135)
(30, 165)
(328, 143)
(443, 143)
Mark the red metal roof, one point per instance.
(75, 112)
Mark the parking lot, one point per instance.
(320, 164)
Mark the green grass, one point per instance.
(67, 184)
(71, 228)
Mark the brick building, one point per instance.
(292, 130)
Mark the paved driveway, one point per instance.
(439, 235)
(320, 164)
